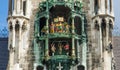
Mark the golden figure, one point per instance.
(60, 27)
(67, 28)
(52, 28)
(53, 48)
(60, 48)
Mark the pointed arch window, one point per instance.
(96, 25)
(110, 29)
(103, 26)
(24, 26)
(96, 6)
(17, 26)
(10, 26)
(103, 33)
(24, 7)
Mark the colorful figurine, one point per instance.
(52, 28)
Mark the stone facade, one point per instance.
(99, 24)
(116, 48)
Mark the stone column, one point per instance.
(10, 7)
(102, 6)
(99, 7)
(11, 60)
(107, 65)
(18, 6)
(12, 54)
(73, 39)
(21, 7)
(101, 47)
(84, 46)
(13, 38)
(19, 46)
(106, 6)
(111, 7)
(15, 6)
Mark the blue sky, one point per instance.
(4, 13)
(117, 16)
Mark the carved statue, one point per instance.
(52, 28)
(60, 48)
(67, 28)
(53, 48)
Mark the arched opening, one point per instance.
(103, 33)
(96, 6)
(110, 30)
(59, 21)
(80, 67)
(24, 7)
(60, 11)
(78, 25)
(24, 26)
(42, 26)
(60, 46)
(103, 27)
(17, 26)
(10, 26)
(96, 25)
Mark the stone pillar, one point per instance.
(84, 46)
(19, 46)
(99, 6)
(111, 7)
(102, 6)
(15, 6)
(13, 38)
(11, 60)
(106, 6)
(107, 58)
(21, 7)
(73, 39)
(10, 7)
(101, 47)
(104, 52)
(18, 6)
(12, 53)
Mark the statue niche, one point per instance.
(59, 47)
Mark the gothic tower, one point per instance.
(100, 24)
(60, 35)
(18, 22)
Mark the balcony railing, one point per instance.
(61, 0)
